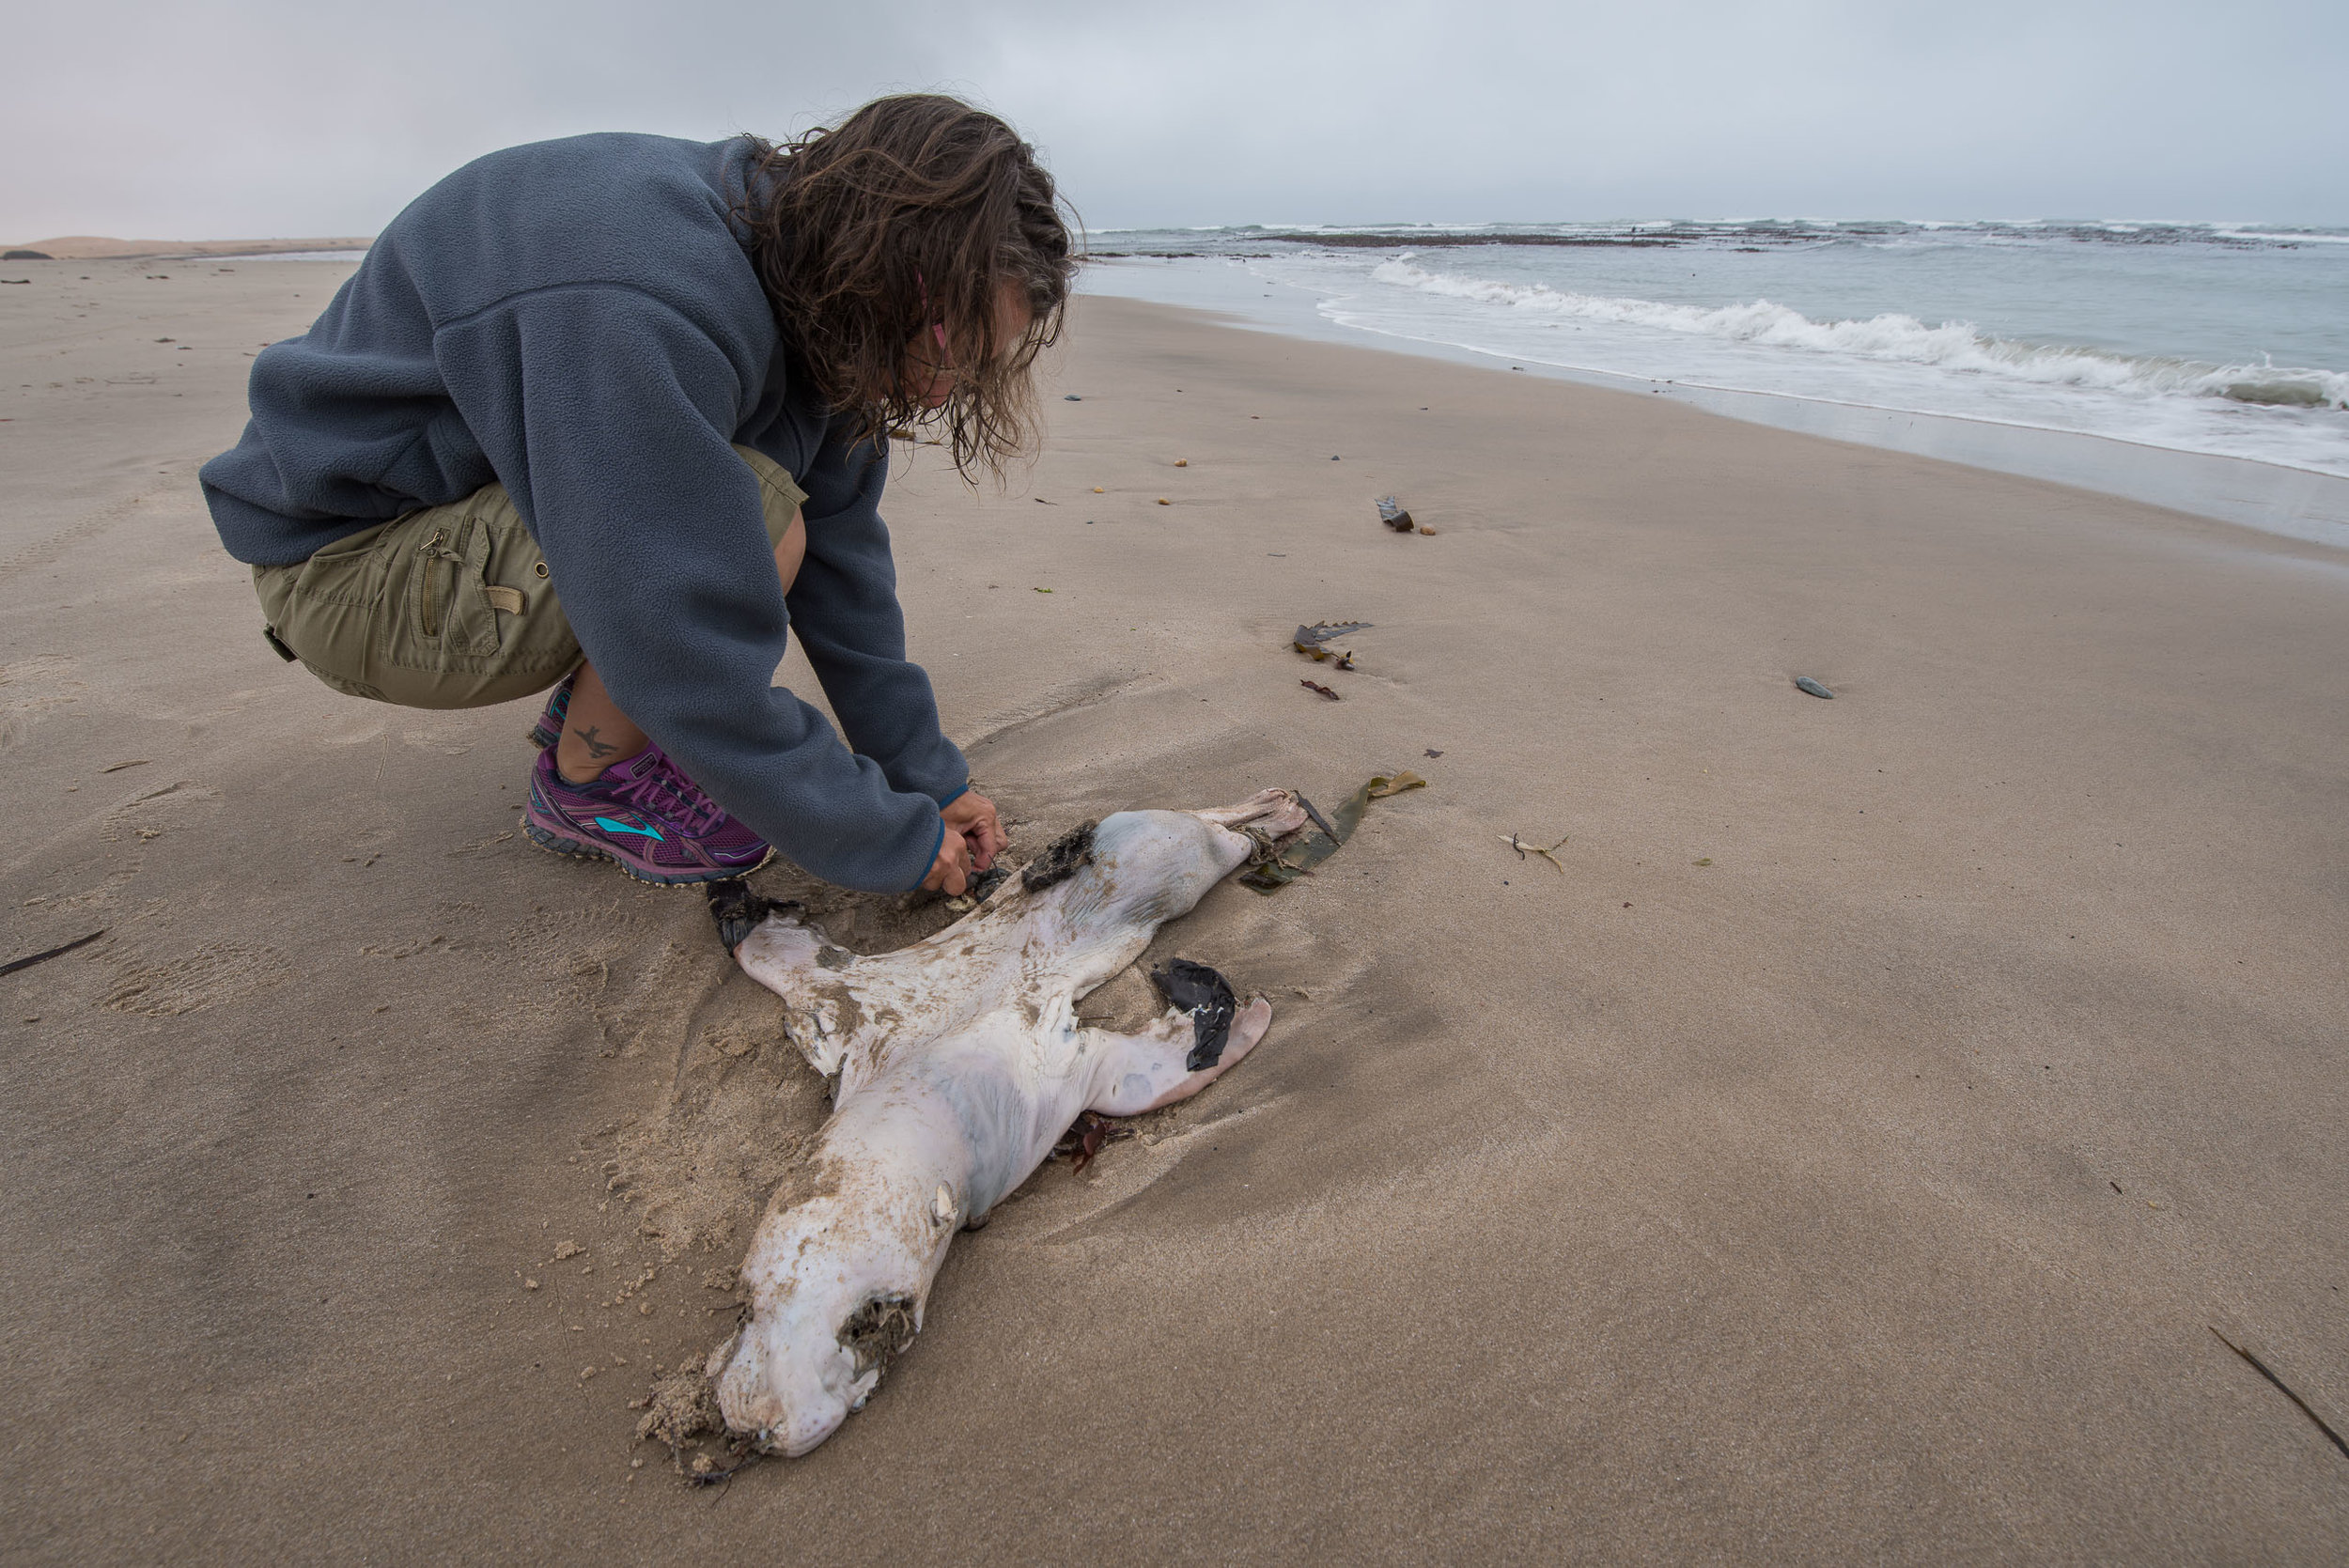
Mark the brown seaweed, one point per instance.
(2261, 1367)
(28, 961)
(1323, 839)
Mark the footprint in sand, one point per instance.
(211, 974)
(149, 816)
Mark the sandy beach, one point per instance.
(1843, 1151)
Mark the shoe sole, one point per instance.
(579, 849)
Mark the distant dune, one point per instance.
(87, 247)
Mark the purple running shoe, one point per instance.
(643, 813)
(548, 729)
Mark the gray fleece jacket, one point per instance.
(581, 320)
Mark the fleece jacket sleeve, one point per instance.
(607, 413)
(844, 608)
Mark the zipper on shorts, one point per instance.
(433, 556)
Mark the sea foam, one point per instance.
(1953, 346)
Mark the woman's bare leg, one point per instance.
(791, 550)
(596, 734)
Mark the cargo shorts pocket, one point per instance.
(468, 604)
(323, 610)
(443, 610)
(345, 572)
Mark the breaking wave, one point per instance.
(1954, 346)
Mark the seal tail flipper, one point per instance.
(739, 912)
(1143, 1072)
(1278, 804)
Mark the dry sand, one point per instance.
(1845, 1156)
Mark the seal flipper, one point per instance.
(1206, 996)
(739, 912)
(824, 1012)
(1135, 1073)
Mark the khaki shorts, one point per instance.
(449, 606)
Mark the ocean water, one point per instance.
(2225, 340)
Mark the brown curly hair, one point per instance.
(917, 209)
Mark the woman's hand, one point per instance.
(973, 816)
(951, 872)
(973, 836)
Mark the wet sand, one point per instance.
(1847, 1154)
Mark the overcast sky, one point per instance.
(236, 118)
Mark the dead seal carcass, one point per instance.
(958, 1064)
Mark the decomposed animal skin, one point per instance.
(957, 1063)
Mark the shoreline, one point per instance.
(2289, 502)
(2273, 498)
(91, 247)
